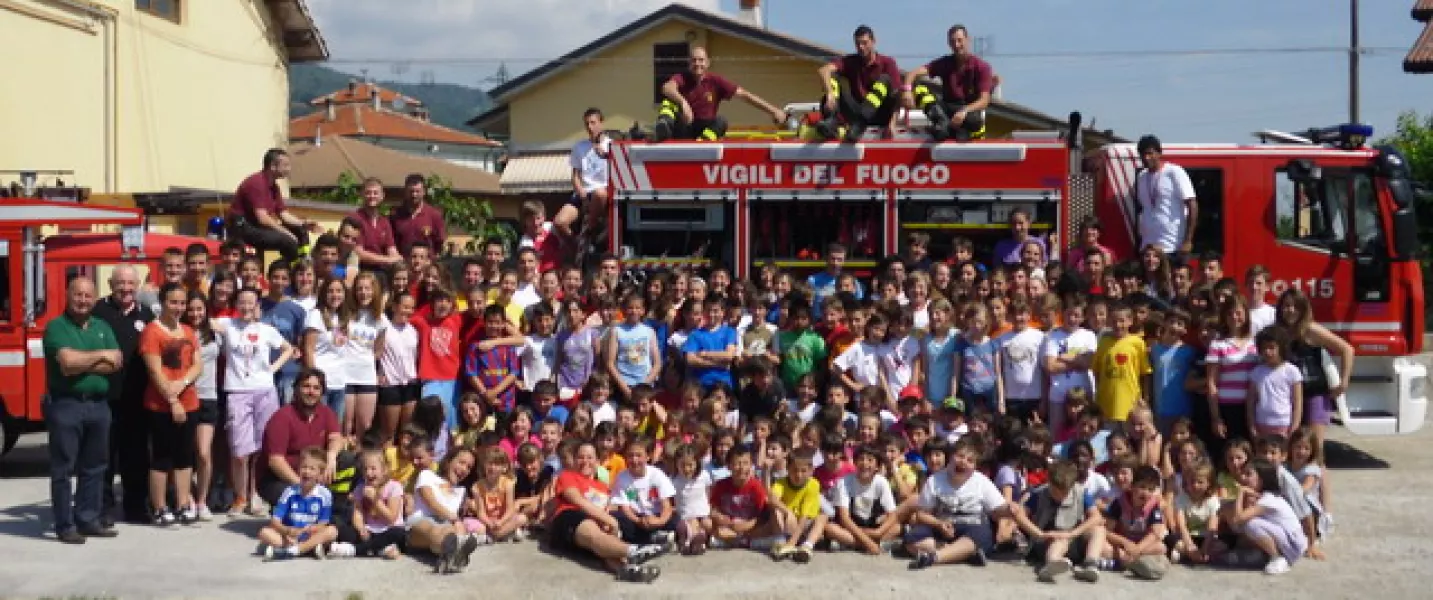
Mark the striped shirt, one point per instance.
(1236, 360)
(492, 367)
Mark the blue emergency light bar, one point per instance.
(1347, 135)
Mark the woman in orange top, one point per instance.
(169, 349)
(581, 523)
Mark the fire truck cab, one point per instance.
(34, 270)
(1324, 213)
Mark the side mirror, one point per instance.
(1303, 170)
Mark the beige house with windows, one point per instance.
(125, 97)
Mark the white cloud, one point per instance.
(494, 29)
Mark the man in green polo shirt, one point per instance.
(80, 354)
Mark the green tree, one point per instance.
(347, 190)
(470, 215)
(1414, 139)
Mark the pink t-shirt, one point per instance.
(371, 519)
(510, 447)
(1236, 361)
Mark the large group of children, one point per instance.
(1101, 413)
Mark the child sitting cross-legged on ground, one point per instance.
(1063, 522)
(741, 511)
(865, 506)
(301, 522)
(798, 508)
(643, 494)
(379, 518)
(1136, 526)
(953, 522)
(496, 501)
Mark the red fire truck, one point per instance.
(34, 270)
(1325, 214)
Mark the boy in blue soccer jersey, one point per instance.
(302, 517)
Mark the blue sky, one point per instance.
(1192, 98)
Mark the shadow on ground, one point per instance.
(26, 520)
(27, 460)
(1340, 455)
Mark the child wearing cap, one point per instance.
(950, 424)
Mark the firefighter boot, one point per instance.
(666, 125)
(928, 103)
(868, 109)
(714, 130)
(828, 128)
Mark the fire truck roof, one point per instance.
(23, 212)
(106, 246)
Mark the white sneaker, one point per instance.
(342, 550)
(665, 539)
(319, 552)
(1277, 566)
(258, 508)
(204, 514)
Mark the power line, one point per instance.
(1077, 54)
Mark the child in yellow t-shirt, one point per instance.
(797, 499)
(412, 453)
(1121, 368)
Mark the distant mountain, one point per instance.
(448, 104)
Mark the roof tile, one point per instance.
(320, 166)
(361, 119)
(363, 92)
(1420, 57)
(1423, 10)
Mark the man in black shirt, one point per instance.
(129, 433)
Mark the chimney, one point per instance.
(330, 111)
(750, 13)
(377, 99)
(352, 87)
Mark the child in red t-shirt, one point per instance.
(440, 355)
(741, 511)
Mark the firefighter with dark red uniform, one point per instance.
(859, 90)
(956, 108)
(690, 100)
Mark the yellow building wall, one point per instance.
(620, 82)
(620, 79)
(137, 103)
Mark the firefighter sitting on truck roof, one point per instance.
(690, 101)
(858, 89)
(956, 108)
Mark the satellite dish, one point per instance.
(399, 103)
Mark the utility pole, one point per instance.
(1353, 55)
